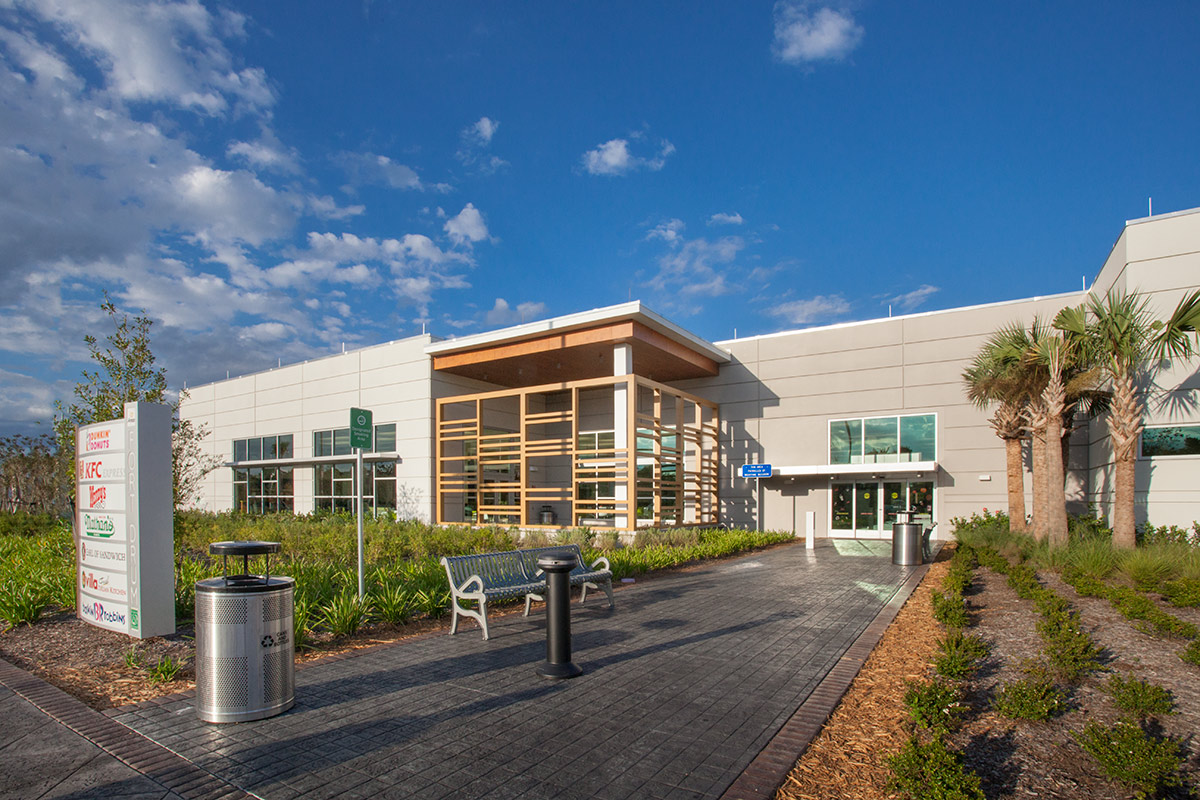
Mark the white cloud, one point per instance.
(670, 231)
(267, 153)
(910, 300)
(475, 141)
(372, 168)
(804, 34)
(725, 219)
(614, 157)
(467, 227)
(327, 208)
(814, 309)
(692, 269)
(166, 52)
(232, 205)
(502, 314)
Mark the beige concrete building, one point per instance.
(617, 417)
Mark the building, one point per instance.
(617, 417)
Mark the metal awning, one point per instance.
(883, 469)
(312, 461)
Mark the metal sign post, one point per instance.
(758, 472)
(360, 439)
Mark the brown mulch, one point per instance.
(1013, 759)
(846, 758)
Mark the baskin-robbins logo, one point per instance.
(98, 612)
(99, 526)
(97, 440)
(97, 496)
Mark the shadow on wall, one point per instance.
(738, 502)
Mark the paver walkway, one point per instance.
(684, 683)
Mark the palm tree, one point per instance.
(1128, 344)
(1000, 375)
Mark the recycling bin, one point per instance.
(245, 653)
(906, 540)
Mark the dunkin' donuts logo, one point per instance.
(97, 495)
(97, 440)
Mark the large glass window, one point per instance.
(881, 440)
(1176, 440)
(333, 484)
(262, 490)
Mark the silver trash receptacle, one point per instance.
(245, 647)
(906, 543)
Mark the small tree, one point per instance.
(127, 374)
(30, 475)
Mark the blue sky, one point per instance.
(267, 185)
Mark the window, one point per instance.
(266, 489)
(883, 440)
(263, 448)
(333, 484)
(262, 490)
(1176, 440)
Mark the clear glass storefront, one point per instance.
(867, 509)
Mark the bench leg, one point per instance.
(608, 591)
(583, 587)
(483, 619)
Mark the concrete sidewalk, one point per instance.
(684, 684)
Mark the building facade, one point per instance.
(617, 417)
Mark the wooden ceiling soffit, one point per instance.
(686, 361)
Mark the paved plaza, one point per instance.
(685, 683)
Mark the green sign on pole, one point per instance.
(360, 428)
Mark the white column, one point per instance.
(622, 365)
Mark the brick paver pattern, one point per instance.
(684, 684)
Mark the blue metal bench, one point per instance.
(481, 577)
(596, 576)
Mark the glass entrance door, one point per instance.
(867, 509)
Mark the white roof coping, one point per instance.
(880, 320)
(633, 310)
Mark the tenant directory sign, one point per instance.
(124, 525)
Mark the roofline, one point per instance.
(634, 310)
(878, 320)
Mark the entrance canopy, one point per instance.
(579, 347)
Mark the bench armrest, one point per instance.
(475, 579)
(604, 561)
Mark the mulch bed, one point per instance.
(1013, 759)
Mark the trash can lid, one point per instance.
(557, 560)
(243, 548)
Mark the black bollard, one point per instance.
(557, 567)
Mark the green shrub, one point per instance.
(1093, 557)
(1182, 592)
(1127, 754)
(166, 670)
(1023, 580)
(1085, 585)
(991, 559)
(1071, 652)
(1137, 606)
(935, 705)
(1139, 697)
(932, 772)
(960, 653)
(30, 526)
(1089, 527)
(303, 620)
(1148, 568)
(346, 613)
(950, 610)
(1034, 698)
(1191, 653)
(22, 603)
(392, 602)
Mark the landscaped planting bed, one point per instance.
(407, 593)
(1077, 696)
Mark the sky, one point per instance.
(273, 182)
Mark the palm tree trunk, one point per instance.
(1015, 464)
(1124, 425)
(1055, 526)
(1038, 523)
